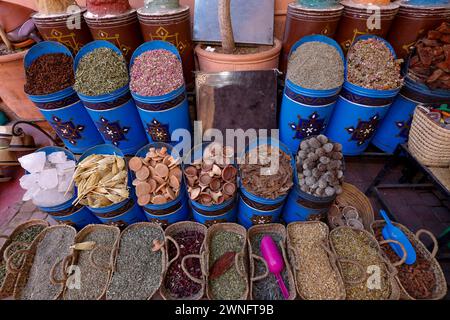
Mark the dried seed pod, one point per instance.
(302, 154)
(320, 152)
(328, 147)
(314, 143)
(336, 155)
(322, 138)
(324, 160)
(322, 184)
(229, 188)
(229, 173)
(307, 173)
(322, 167)
(190, 171)
(337, 147)
(304, 145)
(309, 181)
(329, 191)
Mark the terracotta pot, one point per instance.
(302, 21)
(216, 62)
(54, 28)
(411, 23)
(122, 30)
(173, 27)
(12, 74)
(354, 20)
(281, 7)
(191, 5)
(10, 22)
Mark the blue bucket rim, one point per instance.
(255, 143)
(149, 46)
(375, 93)
(316, 92)
(135, 204)
(423, 89)
(91, 150)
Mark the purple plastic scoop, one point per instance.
(274, 260)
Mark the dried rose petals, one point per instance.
(155, 73)
(370, 64)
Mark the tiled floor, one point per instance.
(414, 208)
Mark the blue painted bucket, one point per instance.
(115, 113)
(162, 115)
(63, 109)
(170, 212)
(394, 129)
(126, 211)
(253, 209)
(358, 113)
(65, 212)
(306, 112)
(209, 215)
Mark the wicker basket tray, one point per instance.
(428, 141)
(390, 269)
(172, 230)
(352, 196)
(31, 252)
(241, 261)
(441, 284)
(296, 264)
(82, 245)
(280, 230)
(7, 287)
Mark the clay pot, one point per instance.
(411, 23)
(216, 62)
(10, 22)
(303, 21)
(281, 7)
(354, 20)
(174, 27)
(122, 30)
(54, 28)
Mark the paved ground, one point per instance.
(415, 208)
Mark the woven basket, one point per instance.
(82, 245)
(118, 251)
(441, 284)
(241, 263)
(7, 287)
(352, 196)
(332, 259)
(394, 288)
(31, 252)
(171, 231)
(280, 230)
(428, 141)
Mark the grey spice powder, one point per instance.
(138, 269)
(230, 285)
(101, 71)
(316, 65)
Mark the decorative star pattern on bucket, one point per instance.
(313, 125)
(112, 131)
(364, 130)
(67, 129)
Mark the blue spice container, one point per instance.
(394, 129)
(306, 112)
(358, 113)
(162, 115)
(254, 209)
(65, 212)
(217, 213)
(170, 212)
(63, 109)
(115, 113)
(122, 213)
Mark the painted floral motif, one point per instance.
(258, 219)
(304, 128)
(67, 130)
(112, 131)
(364, 130)
(158, 131)
(404, 127)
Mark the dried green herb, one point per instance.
(230, 285)
(101, 71)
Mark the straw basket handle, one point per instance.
(95, 264)
(326, 248)
(6, 253)
(404, 256)
(186, 271)
(433, 238)
(65, 263)
(266, 271)
(9, 263)
(238, 263)
(362, 275)
(293, 258)
(175, 243)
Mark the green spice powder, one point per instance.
(101, 71)
(230, 285)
